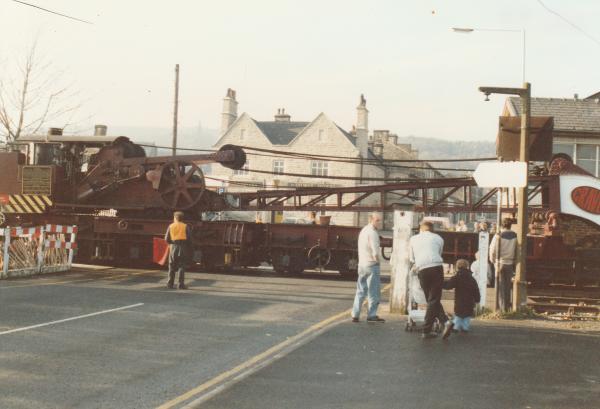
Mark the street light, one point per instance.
(468, 30)
(520, 284)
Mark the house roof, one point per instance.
(569, 114)
(280, 133)
(349, 136)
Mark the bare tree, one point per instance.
(34, 96)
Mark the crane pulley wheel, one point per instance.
(181, 184)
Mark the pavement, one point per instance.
(499, 365)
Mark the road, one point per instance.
(114, 338)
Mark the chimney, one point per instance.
(229, 113)
(394, 139)
(575, 97)
(282, 116)
(100, 130)
(362, 127)
(378, 149)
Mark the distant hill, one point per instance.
(187, 137)
(434, 148)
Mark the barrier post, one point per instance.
(40, 253)
(404, 221)
(484, 240)
(6, 252)
(72, 247)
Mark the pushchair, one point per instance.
(417, 305)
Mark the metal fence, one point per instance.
(35, 250)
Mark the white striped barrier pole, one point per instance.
(6, 254)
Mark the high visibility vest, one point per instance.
(177, 231)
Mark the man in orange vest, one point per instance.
(179, 236)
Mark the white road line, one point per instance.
(11, 331)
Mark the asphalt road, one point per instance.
(145, 355)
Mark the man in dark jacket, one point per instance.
(466, 295)
(503, 251)
(179, 237)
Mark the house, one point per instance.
(576, 126)
(321, 139)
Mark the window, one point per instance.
(563, 148)
(243, 170)
(321, 135)
(587, 158)
(242, 134)
(278, 166)
(319, 168)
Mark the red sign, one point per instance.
(4, 199)
(587, 198)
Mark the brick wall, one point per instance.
(575, 228)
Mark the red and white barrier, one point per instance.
(40, 249)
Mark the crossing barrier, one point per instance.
(36, 250)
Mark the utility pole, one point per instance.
(520, 281)
(174, 145)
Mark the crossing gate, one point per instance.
(34, 250)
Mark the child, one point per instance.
(465, 296)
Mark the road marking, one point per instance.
(217, 384)
(11, 331)
(80, 280)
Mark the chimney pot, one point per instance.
(100, 130)
(576, 97)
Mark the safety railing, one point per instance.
(34, 250)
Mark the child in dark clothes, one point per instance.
(466, 295)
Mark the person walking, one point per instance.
(466, 295)
(503, 256)
(425, 252)
(179, 237)
(368, 284)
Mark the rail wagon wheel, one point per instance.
(181, 184)
(297, 262)
(318, 257)
(386, 253)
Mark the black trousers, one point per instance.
(432, 280)
(176, 262)
(505, 275)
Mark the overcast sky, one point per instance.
(310, 56)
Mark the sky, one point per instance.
(418, 76)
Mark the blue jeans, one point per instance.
(367, 286)
(462, 323)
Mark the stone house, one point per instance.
(320, 136)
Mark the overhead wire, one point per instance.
(342, 159)
(52, 12)
(573, 25)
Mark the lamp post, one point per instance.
(465, 30)
(520, 284)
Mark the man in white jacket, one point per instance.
(426, 254)
(368, 284)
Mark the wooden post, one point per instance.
(404, 221)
